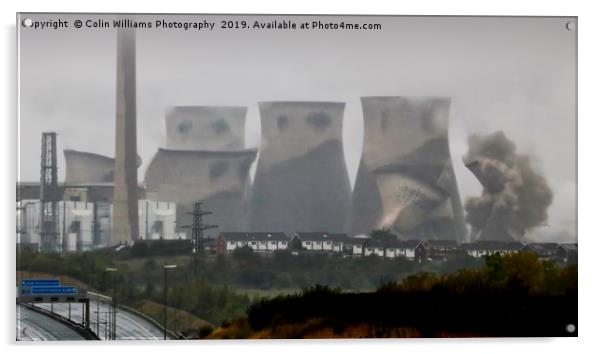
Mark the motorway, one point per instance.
(33, 326)
(129, 325)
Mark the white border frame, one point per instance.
(589, 170)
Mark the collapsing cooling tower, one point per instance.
(405, 180)
(205, 128)
(515, 195)
(204, 161)
(87, 167)
(301, 183)
(216, 178)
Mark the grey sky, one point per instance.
(510, 74)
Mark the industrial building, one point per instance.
(405, 180)
(84, 226)
(301, 182)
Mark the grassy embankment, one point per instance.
(511, 296)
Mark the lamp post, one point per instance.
(113, 331)
(165, 268)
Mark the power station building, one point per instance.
(405, 180)
(85, 225)
(301, 182)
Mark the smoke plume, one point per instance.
(515, 198)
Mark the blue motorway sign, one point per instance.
(40, 282)
(49, 290)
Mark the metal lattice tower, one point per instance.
(49, 218)
(197, 230)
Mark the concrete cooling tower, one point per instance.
(87, 167)
(216, 178)
(405, 180)
(495, 217)
(205, 128)
(301, 182)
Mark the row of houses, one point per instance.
(418, 250)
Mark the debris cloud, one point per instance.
(515, 197)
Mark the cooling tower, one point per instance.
(494, 216)
(216, 178)
(87, 167)
(301, 182)
(205, 128)
(405, 180)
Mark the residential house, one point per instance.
(373, 247)
(338, 242)
(486, 248)
(227, 242)
(354, 246)
(410, 249)
(440, 249)
(414, 250)
(567, 253)
(321, 241)
(544, 250)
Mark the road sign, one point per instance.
(49, 290)
(40, 282)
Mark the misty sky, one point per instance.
(512, 74)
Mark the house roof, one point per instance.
(339, 237)
(313, 236)
(542, 246)
(568, 246)
(393, 243)
(325, 236)
(355, 240)
(377, 243)
(442, 243)
(322, 236)
(254, 236)
(410, 243)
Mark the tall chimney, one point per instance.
(125, 193)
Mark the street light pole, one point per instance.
(113, 331)
(165, 268)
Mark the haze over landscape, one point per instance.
(510, 74)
